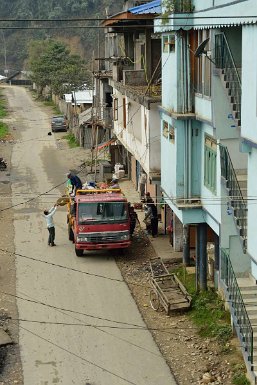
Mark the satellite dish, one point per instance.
(201, 48)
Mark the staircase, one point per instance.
(248, 290)
(241, 296)
(230, 75)
(236, 184)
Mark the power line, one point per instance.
(130, 26)
(118, 19)
(69, 310)
(63, 267)
(78, 356)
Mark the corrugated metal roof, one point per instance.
(85, 96)
(152, 7)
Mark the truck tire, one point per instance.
(79, 252)
(70, 233)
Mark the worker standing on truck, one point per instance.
(75, 182)
(50, 224)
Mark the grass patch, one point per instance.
(71, 140)
(50, 103)
(3, 111)
(239, 375)
(3, 130)
(208, 312)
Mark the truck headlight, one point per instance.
(82, 238)
(125, 236)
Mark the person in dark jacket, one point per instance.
(133, 219)
(153, 215)
(75, 182)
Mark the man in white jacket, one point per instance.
(50, 224)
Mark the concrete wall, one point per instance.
(203, 108)
(134, 78)
(168, 161)
(252, 206)
(142, 132)
(154, 122)
(222, 110)
(201, 5)
(169, 88)
(249, 83)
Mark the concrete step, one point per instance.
(246, 293)
(246, 283)
(250, 301)
(251, 309)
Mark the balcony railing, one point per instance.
(237, 304)
(237, 200)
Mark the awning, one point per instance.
(105, 144)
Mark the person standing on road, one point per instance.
(50, 224)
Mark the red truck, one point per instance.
(98, 219)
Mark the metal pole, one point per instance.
(216, 252)
(203, 256)
(96, 150)
(186, 246)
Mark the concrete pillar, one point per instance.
(203, 256)
(177, 234)
(148, 54)
(216, 252)
(186, 245)
(197, 258)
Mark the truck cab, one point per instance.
(98, 219)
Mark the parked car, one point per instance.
(59, 123)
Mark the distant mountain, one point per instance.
(14, 42)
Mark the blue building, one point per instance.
(209, 146)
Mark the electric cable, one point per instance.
(78, 356)
(41, 303)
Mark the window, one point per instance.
(165, 129)
(203, 66)
(168, 131)
(115, 109)
(168, 43)
(171, 134)
(210, 159)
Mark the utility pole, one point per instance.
(5, 53)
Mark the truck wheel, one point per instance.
(70, 233)
(79, 252)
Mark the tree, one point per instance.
(52, 65)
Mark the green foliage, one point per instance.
(17, 41)
(172, 6)
(208, 311)
(209, 315)
(54, 66)
(3, 111)
(3, 130)
(71, 140)
(239, 377)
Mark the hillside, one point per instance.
(81, 41)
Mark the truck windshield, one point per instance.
(102, 212)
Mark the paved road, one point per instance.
(84, 310)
